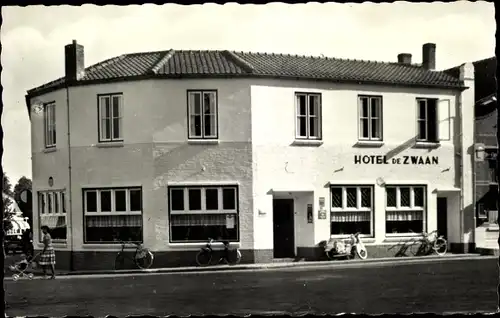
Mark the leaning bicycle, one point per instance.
(142, 257)
(432, 243)
(227, 256)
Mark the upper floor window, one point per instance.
(370, 118)
(110, 117)
(427, 120)
(49, 123)
(202, 115)
(308, 116)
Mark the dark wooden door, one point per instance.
(284, 240)
(442, 216)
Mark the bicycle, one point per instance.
(432, 242)
(230, 257)
(143, 257)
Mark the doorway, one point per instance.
(442, 216)
(283, 225)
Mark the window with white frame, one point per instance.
(49, 123)
(110, 117)
(202, 212)
(351, 209)
(52, 213)
(427, 120)
(370, 118)
(113, 215)
(308, 112)
(405, 209)
(202, 115)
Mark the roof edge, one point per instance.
(63, 84)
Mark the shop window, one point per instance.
(199, 213)
(113, 215)
(52, 213)
(351, 210)
(405, 209)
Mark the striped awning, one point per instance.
(18, 226)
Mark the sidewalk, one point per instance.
(300, 264)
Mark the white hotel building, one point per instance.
(273, 152)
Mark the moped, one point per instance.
(348, 248)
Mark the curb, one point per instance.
(333, 264)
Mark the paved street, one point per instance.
(450, 286)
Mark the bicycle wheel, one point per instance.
(440, 246)
(144, 258)
(415, 248)
(235, 257)
(119, 262)
(203, 258)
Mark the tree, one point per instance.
(24, 184)
(7, 201)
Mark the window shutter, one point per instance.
(444, 120)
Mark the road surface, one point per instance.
(449, 286)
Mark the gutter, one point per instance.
(462, 158)
(70, 193)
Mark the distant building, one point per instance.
(486, 148)
(272, 152)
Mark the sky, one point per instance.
(33, 40)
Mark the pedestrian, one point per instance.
(27, 240)
(48, 256)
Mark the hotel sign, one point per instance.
(403, 160)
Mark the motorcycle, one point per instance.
(337, 248)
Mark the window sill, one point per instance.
(307, 142)
(216, 245)
(203, 141)
(369, 144)
(109, 246)
(49, 150)
(395, 238)
(113, 144)
(368, 239)
(426, 145)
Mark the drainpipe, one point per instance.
(70, 193)
(462, 157)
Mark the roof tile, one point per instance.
(229, 63)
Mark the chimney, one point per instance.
(404, 58)
(429, 56)
(74, 61)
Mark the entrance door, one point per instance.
(284, 241)
(442, 216)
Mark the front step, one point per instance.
(488, 251)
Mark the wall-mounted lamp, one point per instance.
(479, 152)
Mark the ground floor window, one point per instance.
(202, 212)
(351, 210)
(52, 213)
(405, 209)
(112, 215)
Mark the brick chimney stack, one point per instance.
(74, 61)
(404, 58)
(429, 56)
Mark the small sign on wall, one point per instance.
(322, 214)
(309, 213)
(229, 221)
(321, 202)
